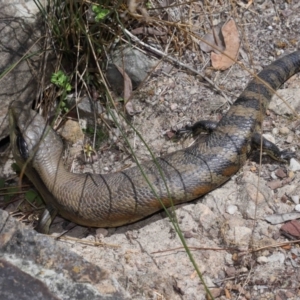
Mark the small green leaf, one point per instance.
(32, 196)
(61, 80)
(101, 13)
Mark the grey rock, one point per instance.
(295, 199)
(231, 209)
(262, 260)
(49, 270)
(87, 108)
(281, 218)
(277, 257)
(290, 96)
(137, 65)
(294, 165)
(297, 207)
(19, 31)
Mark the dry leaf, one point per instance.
(292, 228)
(127, 83)
(232, 45)
(286, 247)
(127, 91)
(227, 294)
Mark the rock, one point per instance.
(19, 31)
(239, 235)
(284, 130)
(262, 260)
(295, 199)
(294, 165)
(281, 218)
(275, 131)
(43, 268)
(137, 66)
(231, 209)
(72, 132)
(277, 257)
(252, 202)
(274, 184)
(206, 217)
(87, 108)
(230, 271)
(289, 139)
(173, 106)
(216, 292)
(297, 207)
(292, 98)
(269, 137)
(280, 173)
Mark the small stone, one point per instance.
(173, 106)
(231, 209)
(274, 184)
(269, 137)
(294, 165)
(230, 271)
(72, 132)
(284, 198)
(289, 139)
(277, 257)
(275, 131)
(297, 207)
(295, 199)
(239, 235)
(101, 232)
(216, 292)
(280, 173)
(291, 174)
(262, 260)
(228, 259)
(188, 234)
(284, 130)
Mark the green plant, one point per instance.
(100, 12)
(61, 80)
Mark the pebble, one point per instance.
(289, 139)
(173, 106)
(295, 198)
(72, 132)
(269, 137)
(274, 184)
(228, 259)
(231, 209)
(280, 173)
(297, 207)
(294, 165)
(275, 131)
(262, 260)
(284, 130)
(277, 257)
